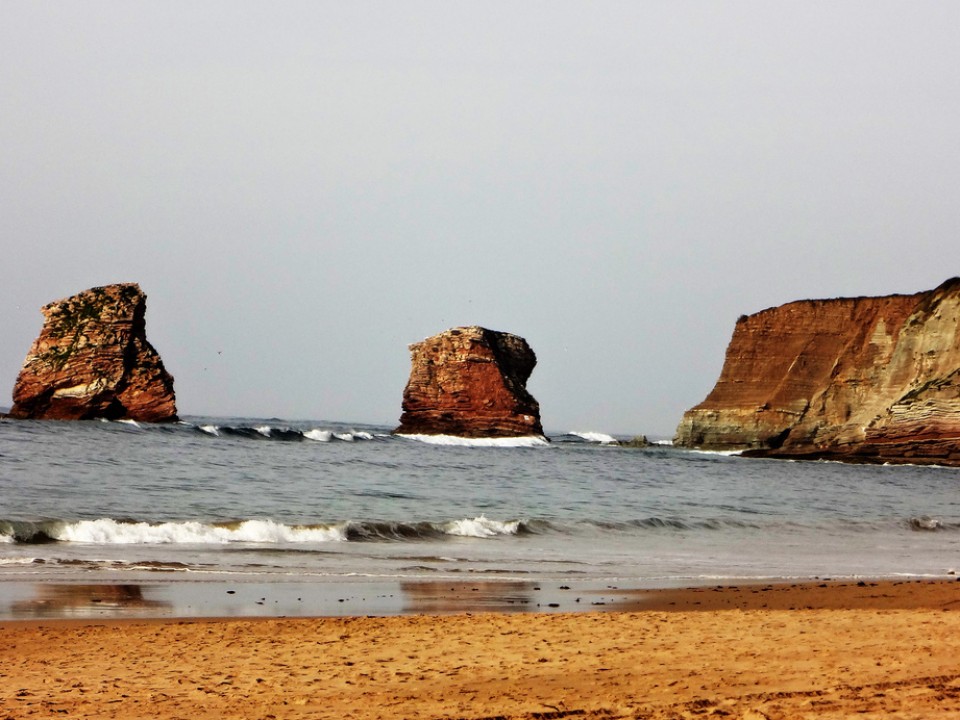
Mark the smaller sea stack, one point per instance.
(92, 360)
(470, 382)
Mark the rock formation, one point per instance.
(470, 382)
(92, 360)
(873, 379)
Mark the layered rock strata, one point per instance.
(92, 360)
(470, 382)
(870, 379)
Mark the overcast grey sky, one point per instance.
(305, 188)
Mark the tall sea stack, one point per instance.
(869, 379)
(92, 360)
(470, 382)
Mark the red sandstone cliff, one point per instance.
(870, 379)
(92, 360)
(470, 382)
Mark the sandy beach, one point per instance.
(824, 650)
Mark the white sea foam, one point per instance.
(210, 430)
(481, 527)
(107, 531)
(724, 453)
(596, 437)
(264, 430)
(525, 441)
(328, 435)
(926, 522)
(319, 435)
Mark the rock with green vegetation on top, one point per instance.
(92, 360)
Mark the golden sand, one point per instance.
(870, 650)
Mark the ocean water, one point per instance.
(318, 503)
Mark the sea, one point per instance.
(273, 512)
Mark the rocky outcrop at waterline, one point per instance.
(92, 360)
(869, 379)
(470, 382)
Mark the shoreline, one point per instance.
(163, 599)
(873, 649)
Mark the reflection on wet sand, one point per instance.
(456, 597)
(68, 600)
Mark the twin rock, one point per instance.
(92, 360)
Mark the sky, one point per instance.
(303, 189)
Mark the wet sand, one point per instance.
(822, 649)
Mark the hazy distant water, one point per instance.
(272, 500)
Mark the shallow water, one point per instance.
(261, 501)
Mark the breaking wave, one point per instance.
(330, 435)
(269, 432)
(595, 437)
(926, 523)
(481, 527)
(108, 531)
(453, 440)
(308, 431)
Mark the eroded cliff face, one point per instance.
(869, 379)
(92, 360)
(470, 382)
